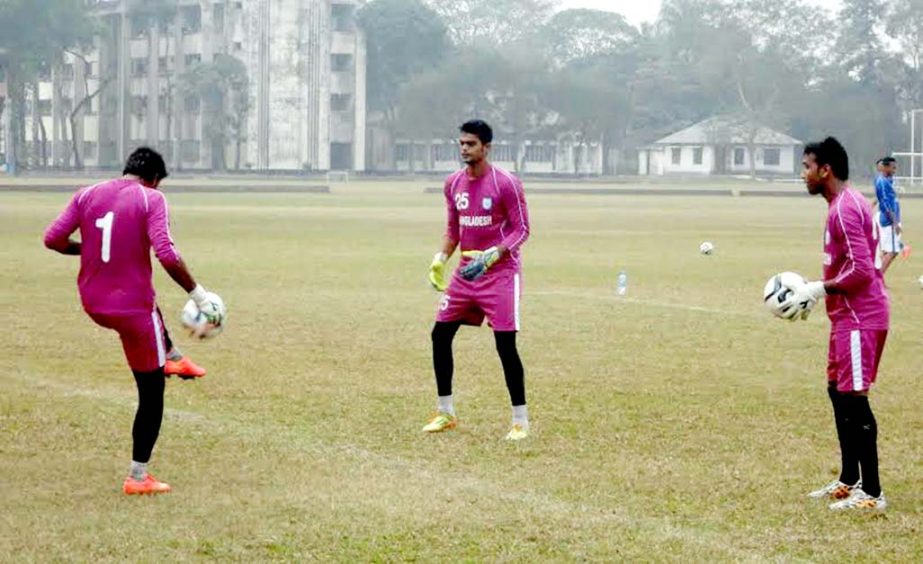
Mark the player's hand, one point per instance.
(209, 309)
(437, 272)
(802, 300)
(479, 263)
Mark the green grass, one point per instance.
(679, 423)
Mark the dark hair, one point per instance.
(830, 152)
(480, 128)
(887, 160)
(146, 164)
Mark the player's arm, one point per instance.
(57, 235)
(859, 267)
(886, 198)
(158, 231)
(513, 200)
(450, 240)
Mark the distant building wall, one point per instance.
(306, 65)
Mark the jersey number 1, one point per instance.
(105, 223)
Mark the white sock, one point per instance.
(446, 405)
(521, 415)
(138, 470)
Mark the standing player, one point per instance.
(487, 216)
(889, 218)
(119, 222)
(859, 314)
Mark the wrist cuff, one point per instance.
(440, 257)
(198, 294)
(817, 290)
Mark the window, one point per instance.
(138, 67)
(163, 103)
(191, 104)
(163, 64)
(89, 149)
(402, 152)
(193, 60)
(189, 150)
(191, 18)
(697, 155)
(139, 26)
(341, 17)
(340, 102)
(44, 107)
(502, 153)
(446, 152)
(738, 156)
(218, 17)
(539, 153)
(771, 157)
(67, 72)
(677, 155)
(139, 105)
(341, 62)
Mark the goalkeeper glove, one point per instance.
(479, 263)
(802, 300)
(209, 308)
(437, 272)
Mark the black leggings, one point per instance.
(444, 366)
(146, 428)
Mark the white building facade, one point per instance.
(304, 104)
(720, 145)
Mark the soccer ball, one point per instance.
(779, 288)
(707, 248)
(195, 321)
(921, 282)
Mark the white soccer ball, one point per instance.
(195, 320)
(779, 288)
(707, 248)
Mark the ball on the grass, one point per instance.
(707, 248)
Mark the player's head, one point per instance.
(148, 165)
(824, 163)
(474, 142)
(887, 166)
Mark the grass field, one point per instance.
(681, 422)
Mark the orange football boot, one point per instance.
(148, 486)
(184, 368)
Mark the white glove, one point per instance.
(209, 309)
(802, 300)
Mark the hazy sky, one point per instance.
(637, 11)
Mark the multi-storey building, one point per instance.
(302, 108)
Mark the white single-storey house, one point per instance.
(720, 145)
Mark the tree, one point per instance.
(859, 44)
(33, 34)
(222, 87)
(574, 35)
(492, 22)
(78, 109)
